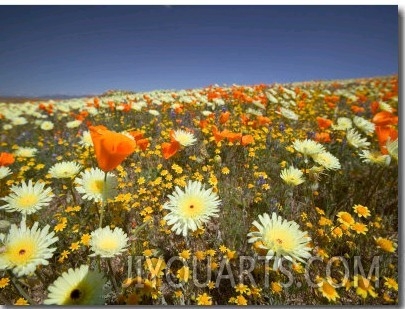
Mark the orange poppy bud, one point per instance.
(6, 159)
(111, 148)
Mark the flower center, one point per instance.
(328, 289)
(28, 200)
(21, 252)
(108, 244)
(97, 186)
(191, 207)
(279, 240)
(75, 294)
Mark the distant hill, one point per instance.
(21, 99)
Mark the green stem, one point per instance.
(103, 200)
(20, 289)
(114, 282)
(98, 263)
(73, 193)
(139, 228)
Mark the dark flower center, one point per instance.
(21, 252)
(75, 294)
(191, 206)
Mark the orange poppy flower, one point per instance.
(374, 107)
(203, 123)
(262, 120)
(170, 149)
(301, 104)
(233, 137)
(383, 134)
(244, 119)
(322, 137)
(219, 136)
(137, 135)
(111, 148)
(224, 117)
(142, 143)
(384, 118)
(246, 140)
(96, 102)
(357, 109)
(323, 123)
(6, 159)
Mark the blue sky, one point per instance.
(90, 49)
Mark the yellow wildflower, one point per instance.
(361, 211)
(85, 239)
(390, 283)
(386, 244)
(204, 300)
(363, 287)
(4, 282)
(276, 287)
(21, 302)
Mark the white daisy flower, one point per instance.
(86, 139)
(206, 113)
(343, 124)
(392, 148)
(17, 121)
(308, 147)
(154, 112)
(292, 176)
(90, 184)
(66, 169)
(27, 198)
(108, 243)
(375, 157)
(364, 125)
(47, 125)
(79, 286)
(281, 238)
(191, 208)
(184, 138)
(24, 248)
(26, 152)
(289, 114)
(4, 172)
(272, 98)
(385, 107)
(355, 139)
(327, 160)
(73, 124)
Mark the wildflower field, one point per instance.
(241, 195)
